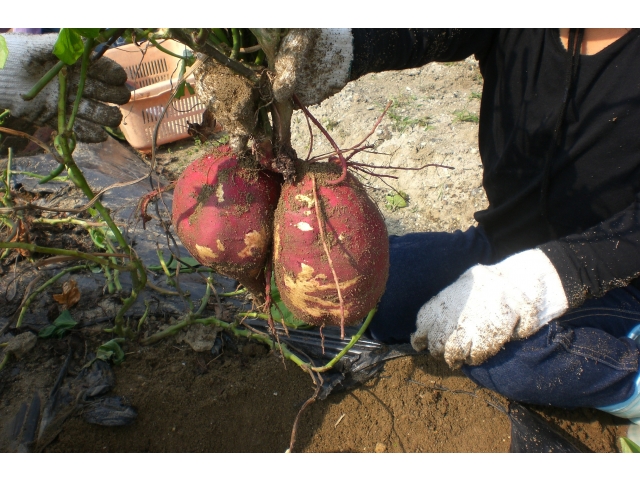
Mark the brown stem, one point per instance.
(399, 168)
(375, 125)
(324, 156)
(377, 175)
(58, 251)
(343, 161)
(38, 142)
(255, 48)
(326, 251)
(284, 111)
(184, 36)
(312, 399)
(269, 303)
(267, 297)
(93, 200)
(356, 151)
(310, 138)
(144, 203)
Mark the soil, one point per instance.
(246, 399)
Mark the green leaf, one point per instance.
(59, 327)
(180, 91)
(87, 32)
(111, 351)
(628, 446)
(115, 132)
(68, 46)
(184, 83)
(397, 200)
(97, 236)
(4, 51)
(279, 311)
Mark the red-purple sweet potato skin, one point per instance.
(357, 237)
(223, 213)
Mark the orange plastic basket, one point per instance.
(152, 74)
(145, 64)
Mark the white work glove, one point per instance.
(471, 319)
(30, 57)
(313, 63)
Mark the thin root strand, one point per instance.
(326, 251)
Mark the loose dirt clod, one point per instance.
(21, 344)
(233, 100)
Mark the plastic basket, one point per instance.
(152, 77)
(145, 64)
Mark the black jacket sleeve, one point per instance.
(377, 50)
(601, 258)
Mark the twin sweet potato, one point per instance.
(328, 242)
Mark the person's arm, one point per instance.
(30, 57)
(381, 49)
(602, 258)
(470, 321)
(317, 63)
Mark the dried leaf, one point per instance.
(22, 236)
(70, 294)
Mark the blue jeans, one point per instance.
(582, 359)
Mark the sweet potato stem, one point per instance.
(348, 346)
(235, 34)
(135, 267)
(326, 251)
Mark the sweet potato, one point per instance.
(351, 229)
(223, 210)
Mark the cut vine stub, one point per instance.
(283, 163)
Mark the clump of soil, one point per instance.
(233, 99)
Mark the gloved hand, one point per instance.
(30, 57)
(471, 319)
(313, 63)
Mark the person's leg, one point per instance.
(421, 265)
(583, 359)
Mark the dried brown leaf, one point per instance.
(22, 236)
(70, 294)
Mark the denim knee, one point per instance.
(564, 366)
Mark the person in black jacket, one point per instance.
(539, 302)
